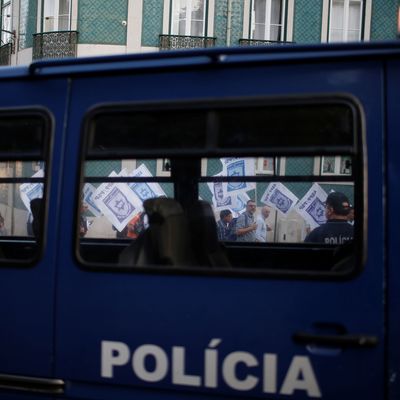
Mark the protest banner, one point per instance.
(117, 202)
(312, 206)
(30, 191)
(88, 192)
(238, 167)
(279, 197)
(145, 190)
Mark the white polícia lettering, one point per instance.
(179, 376)
(229, 370)
(211, 364)
(113, 354)
(299, 377)
(160, 363)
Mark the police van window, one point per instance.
(241, 187)
(24, 143)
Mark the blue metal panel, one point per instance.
(393, 218)
(257, 316)
(27, 294)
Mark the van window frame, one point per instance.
(360, 180)
(47, 120)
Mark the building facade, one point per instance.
(39, 29)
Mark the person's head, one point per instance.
(265, 211)
(226, 216)
(337, 206)
(251, 206)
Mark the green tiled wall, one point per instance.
(220, 22)
(27, 25)
(100, 21)
(307, 21)
(237, 21)
(152, 22)
(384, 19)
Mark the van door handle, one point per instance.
(363, 341)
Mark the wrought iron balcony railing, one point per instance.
(171, 42)
(255, 42)
(55, 44)
(5, 54)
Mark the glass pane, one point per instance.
(275, 33)
(260, 11)
(19, 202)
(337, 16)
(110, 209)
(276, 12)
(259, 32)
(279, 212)
(198, 10)
(197, 28)
(336, 35)
(354, 15)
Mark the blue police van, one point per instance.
(114, 174)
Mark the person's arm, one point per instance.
(241, 229)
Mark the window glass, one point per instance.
(188, 17)
(6, 22)
(56, 14)
(249, 182)
(267, 20)
(345, 20)
(23, 144)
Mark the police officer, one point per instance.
(336, 230)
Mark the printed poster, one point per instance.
(312, 206)
(279, 197)
(30, 191)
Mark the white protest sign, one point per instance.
(88, 192)
(145, 190)
(279, 197)
(312, 206)
(117, 202)
(239, 167)
(30, 191)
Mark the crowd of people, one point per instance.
(247, 227)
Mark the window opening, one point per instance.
(274, 174)
(345, 20)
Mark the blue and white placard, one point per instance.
(279, 197)
(30, 191)
(312, 206)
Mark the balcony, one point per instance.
(5, 53)
(55, 45)
(256, 42)
(172, 42)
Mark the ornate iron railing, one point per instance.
(5, 53)
(55, 44)
(254, 42)
(170, 42)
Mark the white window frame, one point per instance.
(365, 20)
(188, 19)
(51, 9)
(6, 21)
(260, 166)
(336, 167)
(268, 24)
(208, 20)
(287, 20)
(160, 171)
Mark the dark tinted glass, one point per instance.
(300, 127)
(22, 137)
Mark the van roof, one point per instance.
(217, 56)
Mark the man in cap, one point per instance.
(336, 230)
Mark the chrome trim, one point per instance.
(31, 384)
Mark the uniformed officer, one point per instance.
(336, 230)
